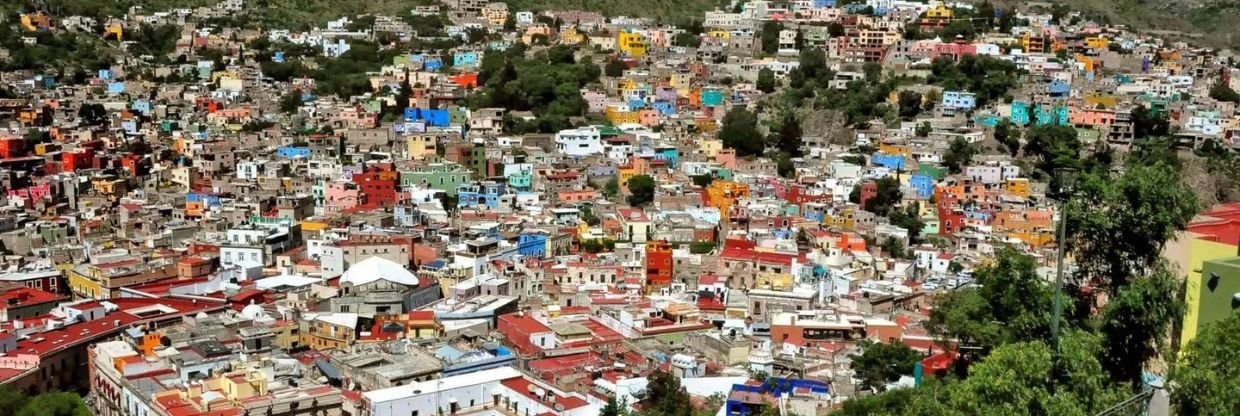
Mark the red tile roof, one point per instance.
(521, 386)
(25, 296)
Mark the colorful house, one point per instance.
(723, 195)
(631, 43)
(1206, 251)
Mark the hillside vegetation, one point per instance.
(1212, 22)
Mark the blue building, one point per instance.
(532, 245)
(668, 153)
(1020, 113)
(290, 152)
(958, 101)
(894, 162)
(433, 117)
(819, 4)
(665, 108)
(923, 184)
(479, 194)
(745, 404)
(1059, 89)
(465, 58)
(712, 97)
(141, 106)
(1056, 115)
(433, 64)
(205, 199)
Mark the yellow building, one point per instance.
(710, 147)
(1097, 42)
(621, 114)
(1210, 237)
(421, 146)
(1017, 187)
(572, 36)
(1088, 64)
(496, 13)
(719, 34)
(631, 43)
(329, 330)
(82, 285)
(845, 219)
(1107, 101)
(895, 149)
(940, 12)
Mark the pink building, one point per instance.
(1091, 117)
(727, 158)
(955, 50)
(341, 195)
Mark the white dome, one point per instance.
(376, 268)
(253, 312)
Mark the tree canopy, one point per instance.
(989, 78)
(641, 190)
(740, 132)
(1009, 305)
(548, 84)
(1206, 373)
(1118, 224)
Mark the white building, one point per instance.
(581, 141)
(498, 388)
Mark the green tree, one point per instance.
(11, 400)
(873, 72)
(55, 404)
(588, 216)
(1118, 224)
(835, 29)
(1222, 92)
(908, 219)
(1005, 135)
(1204, 377)
(615, 68)
(894, 248)
(686, 39)
(612, 188)
(766, 80)
(740, 132)
(701, 247)
(1147, 123)
(1053, 147)
(290, 101)
(703, 180)
(790, 134)
(784, 166)
(1135, 321)
(958, 154)
(641, 190)
(880, 363)
(612, 408)
(889, 194)
(92, 114)
(910, 104)
(1010, 305)
(923, 129)
(769, 36)
(665, 396)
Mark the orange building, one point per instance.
(658, 265)
(723, 195)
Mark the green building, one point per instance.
(1218, 295)
(443, 176)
